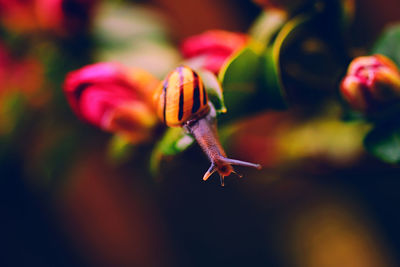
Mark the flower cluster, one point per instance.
(119, 99)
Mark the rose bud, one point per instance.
(212, 48)
(371, 82)
(114, 98)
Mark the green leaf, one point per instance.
(239, 78)
(174, 141)
(252, 79)
(274, 89)
(388, 44)
(214, 90)
(384, 142)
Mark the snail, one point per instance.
(181, 100)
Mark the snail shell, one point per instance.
(181, 97)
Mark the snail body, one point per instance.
(181, 101)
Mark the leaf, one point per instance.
(214, 90)
(274, 89)
(384, 142)
(388, 44)
(239, 78)
(174, 141)
(252, 80)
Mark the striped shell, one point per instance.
(181, 97)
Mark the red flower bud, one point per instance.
(371, 82)
(212, 48)
(114, 98)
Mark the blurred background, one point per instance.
(73, 195)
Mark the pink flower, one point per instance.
(212, 48)
(370, 83)
(114, 98)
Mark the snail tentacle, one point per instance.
(222, 180)
(209, 172)
(242, 163)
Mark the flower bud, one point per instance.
(371, 82)
(114, 98)
(212, 48)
